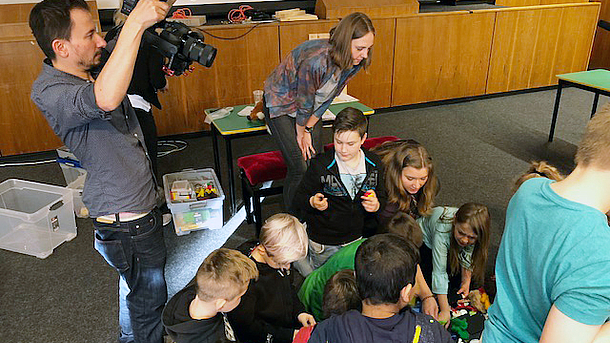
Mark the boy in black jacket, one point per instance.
(385, 273)
(341, 192)
(196, 314)
(270, 311)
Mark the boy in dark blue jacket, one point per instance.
(341, 192)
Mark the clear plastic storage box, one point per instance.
(35, 218)
(189, 213)
(75, 177)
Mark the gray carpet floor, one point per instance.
(479, 148)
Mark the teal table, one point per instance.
(234, 126)
(596, 81)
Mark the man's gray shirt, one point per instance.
(109, 145)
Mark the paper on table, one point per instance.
(343, 98)
(246, 111)
(328, 116)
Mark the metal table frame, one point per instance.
(563, 82)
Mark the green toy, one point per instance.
(459, 326)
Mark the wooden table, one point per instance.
(596, 81)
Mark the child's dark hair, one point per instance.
(341, 294)
(385, 264)
(350, 119)
(404, 225)
(50, 20)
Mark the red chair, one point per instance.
(269, 166)
(254, 170)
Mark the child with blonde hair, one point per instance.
(197, 313)
(538, 169)
(270, 309)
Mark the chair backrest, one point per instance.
(370, 143)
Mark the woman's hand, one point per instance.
(306, 146)
(306, 319)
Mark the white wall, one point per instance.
(103, 4)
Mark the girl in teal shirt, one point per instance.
(456, 242)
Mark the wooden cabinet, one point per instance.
(373, 86)
(294, 33)
(334, 9)
(600, 55)
(441, 56)
(417, 58)
(532, 45)
(22, 127)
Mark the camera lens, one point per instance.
(195, 50)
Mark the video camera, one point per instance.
(177, 42)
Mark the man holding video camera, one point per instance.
(93, 117)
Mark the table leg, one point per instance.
(595, 101)
(555, 111)
(231, 177)
(216, 152)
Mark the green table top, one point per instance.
(234, 124)
(598, 78)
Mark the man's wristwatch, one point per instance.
(308, 129)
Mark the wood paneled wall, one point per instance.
(22, 126)
(518, 3)
(334, 9)
(294, 33)
(531, 46)
(441, 56)
(373, 86)
(600, 55)
(417, 58)
(241, 66)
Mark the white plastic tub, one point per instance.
(35, 218)
(194, 214)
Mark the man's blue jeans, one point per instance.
(137, 251)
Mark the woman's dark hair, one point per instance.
(354, 26)
(350, 119)
(385, 264)
(50, 20)
(478, 219)
(341, 294)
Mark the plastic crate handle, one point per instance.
(198, 205)
(56, 206)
